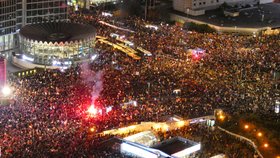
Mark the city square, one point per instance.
(100, 85)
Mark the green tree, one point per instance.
(201, 28)
(224, 6)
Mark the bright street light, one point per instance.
(92, 129)
(221, 117)
(6, 91)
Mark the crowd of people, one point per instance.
(211, 140)
(49, 116)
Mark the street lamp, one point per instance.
(92, 129)
(221, 117)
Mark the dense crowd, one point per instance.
(49, 116)
(212, 140)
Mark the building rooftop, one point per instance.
(146, 138)
(57, 32)
(174, 145)
(267, 15)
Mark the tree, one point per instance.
(224, 6)
(131, 7)
(202, 28)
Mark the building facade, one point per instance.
(56, 43)
(198, 7)
(7, 24)
(87, 3)
(14, 14)
(37, 11)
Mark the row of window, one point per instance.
(7, 30)
(204, 3)
(7, 17)
(9, 9)
(46, 18)
(37, 11)
(45, 5)
(32, 1)
(19, 20)
(4, 3)
(46, 11)
(7, 23)
(19, 6)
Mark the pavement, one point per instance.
(11, 68)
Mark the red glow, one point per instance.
(92, 110)
(195, 56)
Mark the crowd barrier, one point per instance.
(243, 138)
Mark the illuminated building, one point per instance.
(87, 3)
(14, 14)
(7, 24)
(37, 11)
(146, 145)
(198, 7)
(54, 44)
